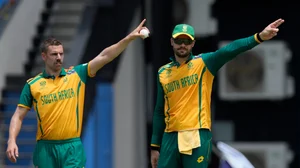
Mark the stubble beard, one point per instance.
(182, 55)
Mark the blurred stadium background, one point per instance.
(254, 99)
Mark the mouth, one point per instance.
(181, 49)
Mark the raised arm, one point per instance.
(111, 52)
(215, 60)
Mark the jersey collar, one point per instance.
(173, 59)
(62, 73)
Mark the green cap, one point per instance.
(183, 29)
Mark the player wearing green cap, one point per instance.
(181, 136)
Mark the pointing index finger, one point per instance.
(277, 23)
(142, 23)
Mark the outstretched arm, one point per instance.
(215, 60)
(111, 52)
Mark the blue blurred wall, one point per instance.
(98, 134)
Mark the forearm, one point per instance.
(15, 127)
(158, 124)
(233, 49)
(215, 60)
(158, 129)
(113, 51)
(109, 54)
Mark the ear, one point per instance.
(44, 56)
(172, 41)
(193, 43)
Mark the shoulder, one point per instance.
(198, 59)
(197, 56)
(164, 67)
(32, 80)
(70, 70)
(79, 67)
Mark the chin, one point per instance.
(183, 55)
(58, 68)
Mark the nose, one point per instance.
(58, 56)
(182, 45)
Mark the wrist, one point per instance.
(157, 148)
(258, 35)
(10, 140)
(129, 38)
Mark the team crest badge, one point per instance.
(65, 79)
(184, 28)
(43, 83)
(168, 73)
(190, 65)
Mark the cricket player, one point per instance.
(181, 135)
(57, 96)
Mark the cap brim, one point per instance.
(178, 34)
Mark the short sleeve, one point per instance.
(26, 97)
(83, 70)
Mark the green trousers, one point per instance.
(170, 157)
(59, 154)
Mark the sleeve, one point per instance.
(215, 60)
(158, 124)
(83, 70)
(26, 97)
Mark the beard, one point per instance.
(182, 52)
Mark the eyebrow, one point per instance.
(55, 53)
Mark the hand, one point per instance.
(136, 32)
(154, 158)
(271, 30)
(12, 151)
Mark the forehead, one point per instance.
(183, 37)
(55, 48)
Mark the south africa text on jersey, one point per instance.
(60, 95)
(181, 83)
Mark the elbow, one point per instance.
(109, 59)
(17, 118)
(19, 115)
(98, 62)
(20, 118)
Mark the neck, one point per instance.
(180, 59)
(51, 72)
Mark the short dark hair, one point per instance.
(51, 41)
